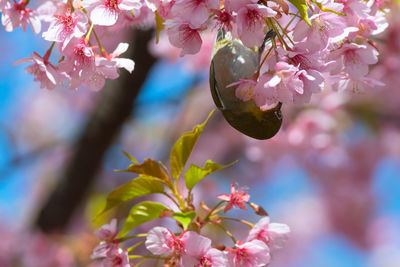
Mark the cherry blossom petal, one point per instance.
(157, 241)
(101, 15)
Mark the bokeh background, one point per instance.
(332, 173)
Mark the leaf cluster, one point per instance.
(154, 178)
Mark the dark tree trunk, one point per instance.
(114, 107)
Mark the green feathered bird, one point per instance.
(232, 61)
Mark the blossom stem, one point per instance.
(140, 263)
(147, 257)
(102, 50)
(89, 32)
(275, 49)
(238, 220)
(122, 239)
(257, 73)
(295, 15)
(177, 194)
(61, 59)
(273, 41)
(48, 52)
(278, 34)
(213, 210)
(227, 232)
(72, 5)
(136, 245)
(291, 20)
(284, 31)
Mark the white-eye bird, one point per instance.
(232, 61)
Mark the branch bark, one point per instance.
(114, 106)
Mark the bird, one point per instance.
(232, 61)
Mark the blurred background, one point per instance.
(332, 173)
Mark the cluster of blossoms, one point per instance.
(192, 249)
(70, 29)
(108, 249)
(333, 51)
(189, 248)
(327, 45)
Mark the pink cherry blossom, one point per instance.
(163, 7)
(103, 249)
(184, 35)
(235, 5)
(48, 9)
(212, 257)
(42, 70)
(196, 12)
(237, 198)
(251, 23)
(354, 85)
(360, 15)
(65, 27)
(200, 254)
(274, 235)
(125, 63)
(313, 82)
(79, 64)
(3, 4)
(254, 253)
(311, 67)
(354, 10)
(282, 86)
(80, 54)
(119, 258)
(161, 241)
(105, 12)
(108, 244)
(245, 89)
(16, 15)
(224, 20)
(354, 58)
(324, 27)
(306, 60)
(105, 68)
(366, 26)
(108, 231)
(190, 248)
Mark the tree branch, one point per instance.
(113, 108)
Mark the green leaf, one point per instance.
(140, 186)
(149, 168)
(184, 146)
(195, 173)
(159, 26)
(302, 8)
(130, 157)
(140, 213)
(184, 218)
